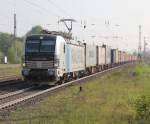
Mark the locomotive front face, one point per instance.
(40, 60)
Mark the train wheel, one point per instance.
(61, 81)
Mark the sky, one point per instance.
(112, 22)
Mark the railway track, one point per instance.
(7, 95)
(12, 86)
(8, 77)
(5, 80)
(14, 99)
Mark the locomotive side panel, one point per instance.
(61, 55)
(68, 59)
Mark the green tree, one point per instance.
(6, 41)
(11, 55)
(13, 49)
(15, 52)
(35, 30)
(18, 46)
(1, 54)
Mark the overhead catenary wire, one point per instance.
(39, 9)
(42, 8)
(59, 8)
(5, 16)
(10, 18)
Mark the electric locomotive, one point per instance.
(42, 58)
(52, 58)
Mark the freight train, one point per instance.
(52, 58)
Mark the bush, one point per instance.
(142, 69)
(142, 107)
(14, 53)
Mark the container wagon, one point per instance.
(107, 56)
(101, 55)
(91, 58)
(114, 57)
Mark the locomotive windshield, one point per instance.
(40, 45)
(40, 48)
(32, 46)
(47, 46)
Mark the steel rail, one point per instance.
(14, 93)
(10, 80)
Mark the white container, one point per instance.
(101, 55)
(91, 59)
(77, 57)
(114, 56)
(108, 54)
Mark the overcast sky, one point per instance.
(122, 16)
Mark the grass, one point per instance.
(105, 100)
(10, 69)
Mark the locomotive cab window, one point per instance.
(32, 46)
(47, 46)
(41, 45)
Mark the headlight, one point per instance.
(51, 72)
(23, 64)
(25, 72)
